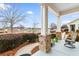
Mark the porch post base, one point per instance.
(45, 43)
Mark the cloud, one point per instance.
(66, 21)
(4, 6)
(29, 12)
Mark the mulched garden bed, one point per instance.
(10, 43)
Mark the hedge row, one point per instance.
(9, 44)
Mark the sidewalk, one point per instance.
(26, 49)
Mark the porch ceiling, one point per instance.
(63, 8)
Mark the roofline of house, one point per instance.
(73, 21)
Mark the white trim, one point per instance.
(73, 10)
(58, 24)
(53, 9)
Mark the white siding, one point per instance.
(76, 22)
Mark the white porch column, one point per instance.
(76, 27)
(58, 32)
(69, 27)
(44, 20)
(44, 39)
(58, 24)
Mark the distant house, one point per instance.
(73, 25)
(15, 29)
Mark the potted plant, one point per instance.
(54, 39)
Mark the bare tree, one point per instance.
(12, 16)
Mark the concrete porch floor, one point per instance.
(60, 50)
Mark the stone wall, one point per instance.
(45, 43)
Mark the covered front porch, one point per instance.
(59, 10)
(60, 50)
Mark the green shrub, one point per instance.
(30, 37)
(54, 38)
(12, 43)
(9, 44)
(4, 45)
